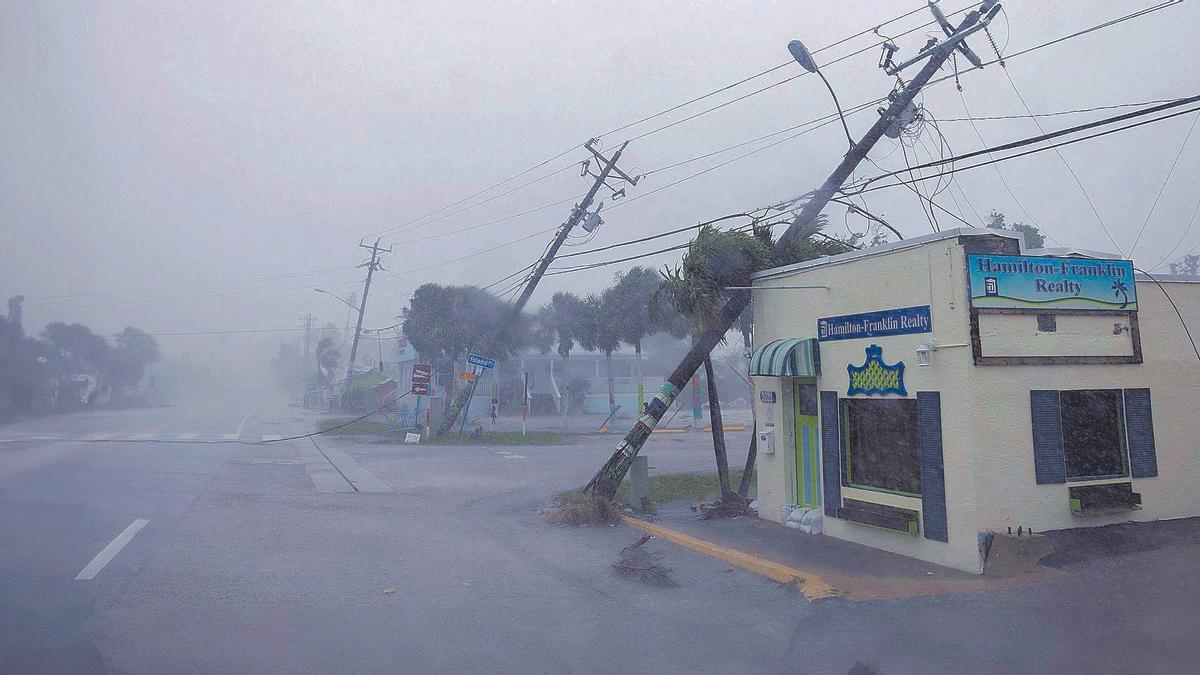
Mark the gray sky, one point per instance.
(152, 144)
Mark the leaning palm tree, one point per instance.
(697, 288)
(814, 245)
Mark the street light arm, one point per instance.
(335, 297)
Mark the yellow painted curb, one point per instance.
(669, 431)
(729, 427)
(812, 586)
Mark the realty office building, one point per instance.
(915, 397)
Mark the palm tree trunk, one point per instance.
(612, 394)
(641, 392)
(744, 485)
(752, 453)
(718, 431)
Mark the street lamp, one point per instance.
(805, 59)
(335, 297)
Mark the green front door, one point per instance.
(808, 466)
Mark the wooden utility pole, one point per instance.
(307, 319)
(609, 477)
(362, 308)
(608, 167)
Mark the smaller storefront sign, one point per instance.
(766, 396)
(883, 323)
(1032, 282)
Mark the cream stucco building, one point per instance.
(915, 396)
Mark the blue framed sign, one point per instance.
(1031, 282)
(883, 323)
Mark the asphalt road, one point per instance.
(332, 556)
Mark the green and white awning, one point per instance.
(787, 358)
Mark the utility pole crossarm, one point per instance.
(609, 477)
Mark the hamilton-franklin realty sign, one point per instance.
(1067, 283)
(875, 324)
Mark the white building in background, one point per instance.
(925, 393)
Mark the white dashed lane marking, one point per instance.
(109, 552)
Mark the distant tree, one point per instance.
(1188, 265)
(329, 359)
(126, 364)
(443, 322)
(24, 380)
(1033, 236)
(563, 319)
(77, 358)
(635, 310)
(600, 332)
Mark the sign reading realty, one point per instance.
(1062, 283)
(883, 323)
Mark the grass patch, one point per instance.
(369, 427)
(672, 487)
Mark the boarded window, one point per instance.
(1093, 432)
(882, 445)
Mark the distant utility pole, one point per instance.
(891, 121)
(307, 319)
(606, 167)
(362, 309)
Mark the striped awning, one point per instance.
(793, 357)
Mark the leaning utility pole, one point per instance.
(362, 308)
(609, 477)
(608, 166)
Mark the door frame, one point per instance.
(806, 456)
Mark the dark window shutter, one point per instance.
(1049, 460)
(831, 453)
(933, 482)
(1139, 426)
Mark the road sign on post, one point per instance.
(422, 373)
(481, 361)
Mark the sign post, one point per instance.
(525, 404)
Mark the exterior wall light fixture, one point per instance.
(924, 353)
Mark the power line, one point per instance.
(1057, 113)
(487, 189)
(1065, 163)
(1000, 174)
(828, 119)
(201, 284)
(1166, 180)
(402, 228)
(756, 76)
(761, 90)
(1054, 134)
(1179, 242)
(1024, 142)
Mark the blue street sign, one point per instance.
(481, 361)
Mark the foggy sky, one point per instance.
(171, 144)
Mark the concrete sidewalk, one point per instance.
(855, 572)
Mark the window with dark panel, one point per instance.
(1093, 433)
(882, 446)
